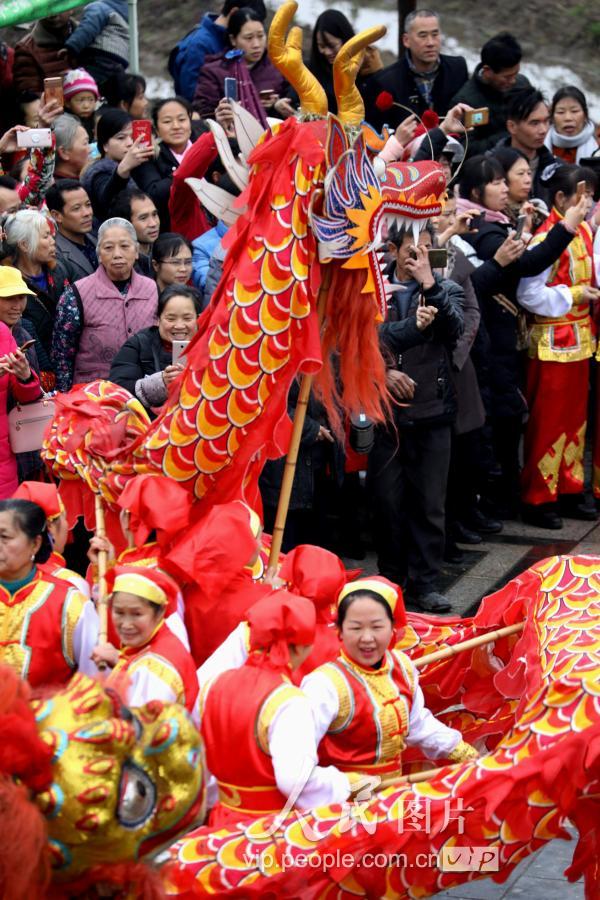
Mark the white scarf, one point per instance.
(569, 141)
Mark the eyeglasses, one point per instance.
(181, 262)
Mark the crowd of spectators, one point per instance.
(109, 258)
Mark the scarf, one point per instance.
(247, 94)
(423, 80)
(490, 215)
(571, 141)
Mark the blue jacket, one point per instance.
(203, 248)
(184, 65)
(95, 19)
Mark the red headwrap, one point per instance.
(317, 574)
(277, 620)
(155, 502)
(149, 584)
(387, 590)
(45, 495)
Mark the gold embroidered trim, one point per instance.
(463, 752)
(345, 698)
(266, 714)
(161, 668)
(71, 613)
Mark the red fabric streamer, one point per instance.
(276, 621)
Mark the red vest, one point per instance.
(238, 707)
(37, 624)
(374, 709)
(164, 647)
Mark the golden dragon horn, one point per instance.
(351, 109)
(286, 54)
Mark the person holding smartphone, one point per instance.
(145, 363)
(408, 465)
(260, 86)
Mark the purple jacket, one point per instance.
(210, 88)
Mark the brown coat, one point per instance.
(36, 58)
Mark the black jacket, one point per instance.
(399, 81)
(477, 93)
(545, 158)
(155, 178)
(102, 183)
(41, 310)
(496, 355)
(142, 354)
(429, 363)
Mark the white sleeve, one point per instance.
(145, 685)
(323, 699)
(175, 624)
(85, 638)
(293, 750)
(597, 255)
(535, 296)
(231, 654)
(425, 731)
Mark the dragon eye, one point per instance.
(137, 797)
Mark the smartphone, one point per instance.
(474, 117)
(477, 222)
(27, 345)
(142, 128)
(231, 88)
(178, 350)
(34, 137)
(438, 257)
(520, 226)
(53, 90)
(581, 189)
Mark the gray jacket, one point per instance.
(73, 262)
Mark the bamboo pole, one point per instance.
(102, 604)
(478, 641)
(292, 454)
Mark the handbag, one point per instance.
(27, 424)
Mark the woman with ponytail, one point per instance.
(48, 627)
(257, 726)
(367, 705)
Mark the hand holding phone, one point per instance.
(142, 128)
(178, 350)
(520, 226)
(475, 117)
(53, 90)
(581, 188)
(230, 87)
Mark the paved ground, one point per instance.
(487, 567)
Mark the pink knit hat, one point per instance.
(78, 80)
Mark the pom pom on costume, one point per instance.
(384, 101)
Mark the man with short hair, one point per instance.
(141, 211)
(528, 123)
(10, 201)
(71, 209)
(209, 37)
(423, 79)
(490, 85)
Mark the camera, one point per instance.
(34, 137)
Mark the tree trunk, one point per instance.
(404, 8)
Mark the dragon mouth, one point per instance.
(386, 219)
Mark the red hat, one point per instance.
(279, 619)
(317, 574)
(149, 584)
(45, 495)
(387, 590)
(155, 502)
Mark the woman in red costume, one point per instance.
(152, 662)
(257, 726)
(47, 496)
(47, 628)
(367, 705)
(558, 371)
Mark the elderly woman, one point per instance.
(99, 313)
(144, 364)
(30, 237)
(72, 147)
